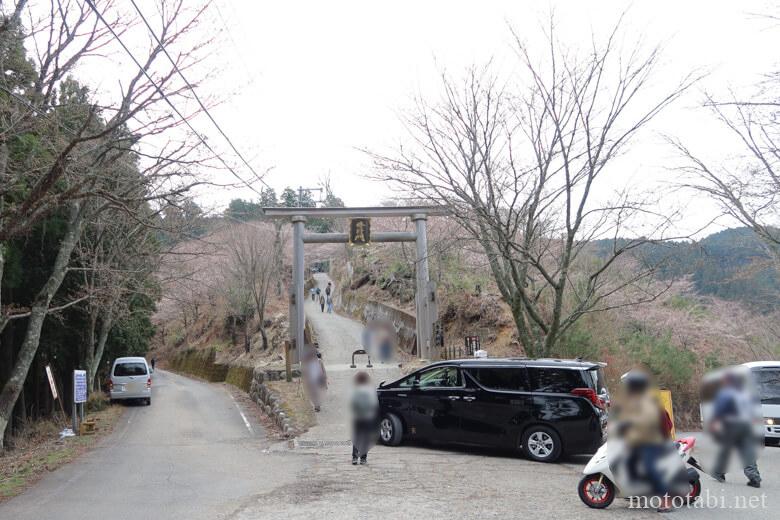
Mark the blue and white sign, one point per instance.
(79, 386)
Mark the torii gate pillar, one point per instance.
(424, 299)
(298, 297)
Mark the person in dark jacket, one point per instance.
(365, 412)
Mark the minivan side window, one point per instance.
(130, 369)
(501, 378)
(440, 377)
(555, 380)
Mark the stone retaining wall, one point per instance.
(404, 323)
(270, 401)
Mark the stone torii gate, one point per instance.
(425, 299)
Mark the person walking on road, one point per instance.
(330, 304)
(732, 429)
(322, 302)
(313, 294)
(328, 289)
(154, 362)
(315, 378)
(365, 412)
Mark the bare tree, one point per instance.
(525, 170)
(87, 160)
(249, 270)
(747, 186)
(120, 259)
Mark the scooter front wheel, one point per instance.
(596, 491)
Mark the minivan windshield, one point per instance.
(768, 382)
(130, 369)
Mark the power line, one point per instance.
(195, 94)
(165, 97)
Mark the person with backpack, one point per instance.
(365, 413)
(328, 289)
(732, 428)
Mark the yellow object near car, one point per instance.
(665, 398)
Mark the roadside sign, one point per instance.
(51, 382)
(79, 386)
(359, 231)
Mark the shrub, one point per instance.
(97, 401)
(671, 366)
(578, 342)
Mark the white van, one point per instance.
(765, 379)
(766, 375)
(130, 378)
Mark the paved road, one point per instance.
(188, 456)
(338, 337)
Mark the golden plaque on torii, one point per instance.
(359, 231)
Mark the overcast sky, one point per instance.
(304, 84)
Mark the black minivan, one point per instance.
(544, 407)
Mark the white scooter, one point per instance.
(607, 474)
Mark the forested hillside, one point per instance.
(733, 264)
(88, 206)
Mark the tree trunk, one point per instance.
(105, 328)
(264, 336)
(279, 256)
(15, 383)
(3, 164)
(233, 338)
(247, 343)
(89, 355)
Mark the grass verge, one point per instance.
(38, 450)
(295, 403)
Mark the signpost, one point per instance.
(79, 386)
(51, 382)
(79, 396)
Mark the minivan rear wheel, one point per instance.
(390, 430)
(542, 444)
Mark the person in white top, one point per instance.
(315, 378)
